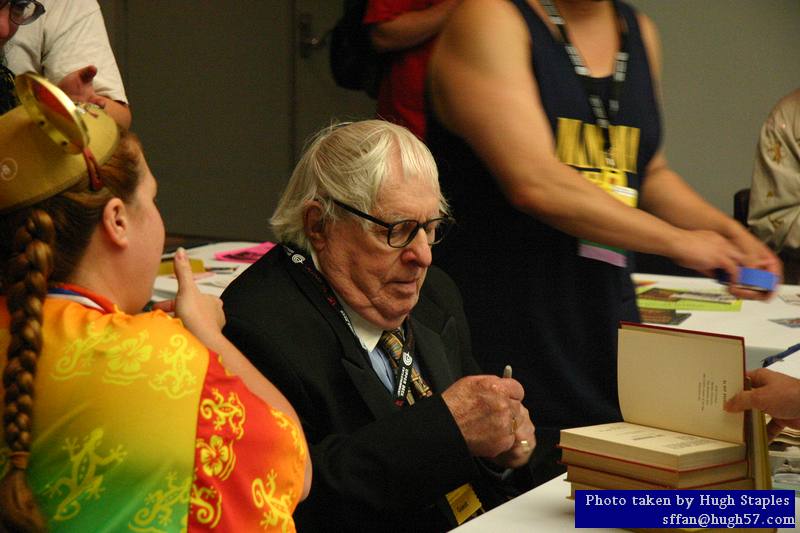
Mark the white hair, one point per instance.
(348, 162)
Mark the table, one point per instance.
(762, 337)
(546, 509)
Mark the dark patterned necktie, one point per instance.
(391, 343)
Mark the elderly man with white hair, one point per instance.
(370, 344)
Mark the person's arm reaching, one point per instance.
(484, 90)
(77, 56)
(666, 195)
(79, 87)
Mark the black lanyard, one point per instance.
(8, 97)
(403, 369)
(602, 119)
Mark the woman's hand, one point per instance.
(201, 313)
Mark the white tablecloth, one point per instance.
(761, 336)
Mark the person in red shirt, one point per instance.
(405, 31)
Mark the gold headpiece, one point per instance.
(48, 144)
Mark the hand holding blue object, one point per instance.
(751, 278)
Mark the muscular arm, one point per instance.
(666, 195)
(483, 89)
(411, 28)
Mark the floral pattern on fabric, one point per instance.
(137, 427)
(233, 494)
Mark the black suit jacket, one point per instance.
(377, 467)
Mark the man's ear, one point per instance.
(314, 225)
(115, 222)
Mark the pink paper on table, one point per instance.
(245, 255)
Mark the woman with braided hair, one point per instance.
(115, 419)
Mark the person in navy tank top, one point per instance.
(544, 121)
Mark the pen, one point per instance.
(781, 355)
(222, 270)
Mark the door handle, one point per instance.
(308, 41)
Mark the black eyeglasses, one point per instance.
(23, 11)
(400, 234)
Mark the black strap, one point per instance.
(403, 365)
(602, 118)
(8, 96)
(307, 265)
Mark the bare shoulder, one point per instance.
(649, 32)
(652, 42)
(486, 8)
(479, 31)
(486, 15)
(648, 28)
(484, 57)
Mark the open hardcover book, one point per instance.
(672, 386)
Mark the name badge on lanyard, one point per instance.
(611, 181)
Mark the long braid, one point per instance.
(25, 286)
(30, 258)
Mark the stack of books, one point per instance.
(675, 434)
(624, 456)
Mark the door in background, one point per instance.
(223, 96)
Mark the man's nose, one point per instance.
(419, 250)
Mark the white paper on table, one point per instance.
(166, 287)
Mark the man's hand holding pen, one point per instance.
(492, 419)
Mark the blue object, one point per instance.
(781, 355)
(751, 278)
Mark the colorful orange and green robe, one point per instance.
(138, 427)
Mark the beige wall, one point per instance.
(726, 63)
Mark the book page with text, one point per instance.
(679, 380)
